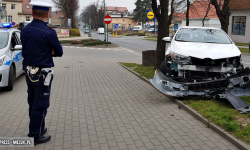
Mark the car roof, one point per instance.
(200, 27)
(8, 29)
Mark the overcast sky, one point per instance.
(119, 3)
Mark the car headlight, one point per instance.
(2, 59)
(180, 59)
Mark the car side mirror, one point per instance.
(167, 39)
(18, 47)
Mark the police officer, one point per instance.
(40, 44)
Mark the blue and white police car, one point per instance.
(10, 56)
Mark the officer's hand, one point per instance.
(53, 52)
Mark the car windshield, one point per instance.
(3, 39)
(202, 35)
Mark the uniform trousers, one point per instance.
(39, 102)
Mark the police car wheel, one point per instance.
(11, 79)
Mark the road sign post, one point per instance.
(107, 20)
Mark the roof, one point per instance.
(57, 14)
(239, 4)
(117, 9)
(27, 9)
(12, 0)
(198, 10)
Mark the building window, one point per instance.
(27, 18)
(4, 6)
(239, 25)
(13, 6)
(27, 6)
(9, 19)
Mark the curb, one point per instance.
(241, 145)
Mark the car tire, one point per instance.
(163, 67)
(11, 79)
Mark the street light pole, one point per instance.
(89, 23)
(104, 22)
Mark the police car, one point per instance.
(10, 56)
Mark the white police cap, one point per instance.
(40, 5)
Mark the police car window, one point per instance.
(18, 38)
(14, 41)
(3, 39)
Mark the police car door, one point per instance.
(17, 54)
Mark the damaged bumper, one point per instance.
(230, 88)
(237, 85)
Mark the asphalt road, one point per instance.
(138, 44)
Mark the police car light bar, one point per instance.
(6, 25)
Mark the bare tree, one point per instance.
(164, 20)
(223, 12)
(69, 8)
(94, 13)
(187, 14)
(208, 8)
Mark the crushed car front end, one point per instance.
(202, 62)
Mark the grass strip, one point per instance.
(244, 50)
(242, 44)
(220, 112)
(150, 39)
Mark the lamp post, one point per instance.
(89, 23)
(104, 23)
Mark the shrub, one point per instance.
(95, 43)
(132, 33)
(74, 32)
(88, 40)
(141, 34)
(120, 32)
(77, 42)
(66, 41)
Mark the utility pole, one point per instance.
(89, 23)
(104, 23)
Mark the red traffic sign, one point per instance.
(107, 19)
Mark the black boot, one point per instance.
(42, 139)
(45, 131)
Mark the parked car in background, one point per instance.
(100, 31)
(22, 24)
(145, 29)
(87, 30)
(152, 30)
(137, 28)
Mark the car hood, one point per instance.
(205, 50)
(2, 51)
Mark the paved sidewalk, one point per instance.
(98, 105)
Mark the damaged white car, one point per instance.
(203, 62)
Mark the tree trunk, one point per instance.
(161, 45)
(187, 14)
(224, 27)
(163, 29)
(223, 13)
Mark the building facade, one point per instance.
(13, 7)
(239, 23)
(17, 11)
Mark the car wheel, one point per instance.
(11, 79)
(163, 67)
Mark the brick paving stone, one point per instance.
(97, 104)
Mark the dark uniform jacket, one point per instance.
(38, 40)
